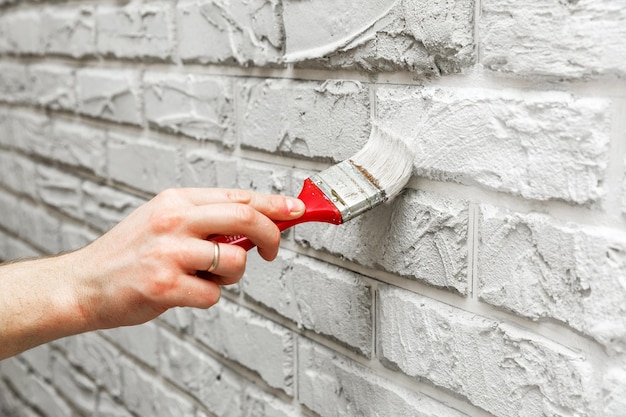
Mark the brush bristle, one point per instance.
(387, 160)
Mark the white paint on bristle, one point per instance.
(387, 159)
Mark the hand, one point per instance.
(140, 268)
(148, 262)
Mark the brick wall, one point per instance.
(494, 286)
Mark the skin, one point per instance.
(142, 267)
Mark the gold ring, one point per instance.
(216, 257)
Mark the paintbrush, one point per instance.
(374, 175)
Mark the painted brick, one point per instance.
(18, 173)
(537, 145)
(75, 236)
(141, 341)
(39, 227)
(207, 168)
(9, 212)
(202, 376)
(332, 386)
(317, 296)
(614, 388)
(39, 360)
(135, 30)
(68, 30)
(196, 106)
(75, 386)
(573, 39)
(538, 267)
(265, 178)
(78, 145)
(60, 190)
(240, 32)
(97, 358)
(10, 405)
(52, 86)
(15, 39)
(259, 403)
(413, 35)
(420, 236)
(105, 207)
(327, 120)
(34, 389)
(145, 395)
(13, 248)
(490, 363)
(241, 335)
(14, 83)
(147, 164)
(109, 94)
(30, 131)
(108, 407)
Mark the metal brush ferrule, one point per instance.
(349, 189)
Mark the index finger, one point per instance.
(275, 207)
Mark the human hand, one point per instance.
(148, 262)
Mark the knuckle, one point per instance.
(245, 215)
(165, 220)
(239, 196)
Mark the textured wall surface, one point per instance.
(494, 286)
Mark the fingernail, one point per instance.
(295, 205)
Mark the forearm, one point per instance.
(38, 304)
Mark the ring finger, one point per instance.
(227, 269)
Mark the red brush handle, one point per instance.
(318, 209)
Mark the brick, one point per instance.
(39, 360)
(428, 38)
(30, 132)
(243, 33)
(74, 236)
(490, 363)
(178, 317)
(14, 83)
(196, 106)
(145, 395)
(259, 403)
(241, 335)
(34, 389)
(79, 145)
(326, 299)
(105, 207)
(140, 341)
(420, 236)
(18, 173)
(52, 86)
(333, 385)
(538, 267)
(97, 358)
(135, 30)
(15, 39)
(559, 142)
(202, 376)
(39, 227)
(328, 121)
(80, 390)
(265, 178)
(12, 249)
(142, 163)
(68, 30)
(614, 388)
(206, 168)
(108, 407)
(109, 94)
(573, 39)
(59, 190)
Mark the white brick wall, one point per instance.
(494, 286)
